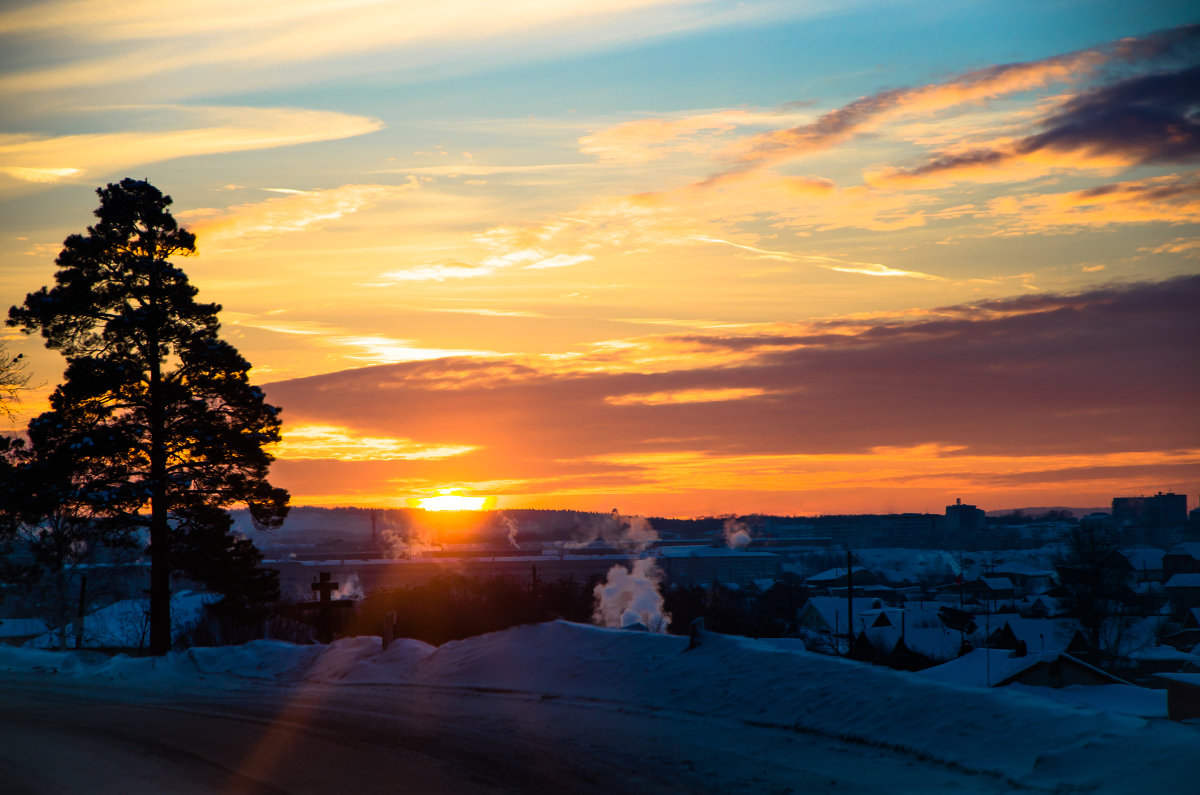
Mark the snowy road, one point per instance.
(64, 736)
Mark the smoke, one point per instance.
(631, 596)
(349, 588)
(405, 539)
(628, 533)
(512, 526)
(737, 534)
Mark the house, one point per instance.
(998, 667)
(990, 589)
(1041, 606)
(1027, 580)
(910, 648)
(1163, 660)
(1183, 590)
(1189, 635)
(15, 631)
(1183, 695)
(1145, 563)
(1039, 635)
(1182, 559)
(840, 578)
(830, 615)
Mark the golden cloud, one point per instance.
(343, 444)
(52, 159)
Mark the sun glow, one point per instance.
(452, 502)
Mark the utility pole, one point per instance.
(850, 593)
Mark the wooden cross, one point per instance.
(325, 587)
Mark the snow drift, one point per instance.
(1020, 738)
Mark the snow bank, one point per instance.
(126, 624)
(1019, 737)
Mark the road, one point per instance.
(240, 736)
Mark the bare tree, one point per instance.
(13, 379)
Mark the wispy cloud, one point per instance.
(343, 444)
(79, 157)
(829, 263)
(1173, 199)
(88, 44)
(677, 397)
(295, 211)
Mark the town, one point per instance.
(1041, 598)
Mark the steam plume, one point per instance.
(632, 596)
(737, 534)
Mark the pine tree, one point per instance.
(153, 403)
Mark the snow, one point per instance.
(1122, 699)
(126, 624)
(1076, 737)
(22, 627)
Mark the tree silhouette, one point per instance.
(153, 402)
(13, 379)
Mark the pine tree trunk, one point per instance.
(160, 558)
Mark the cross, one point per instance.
(326, 588)
(325, 615)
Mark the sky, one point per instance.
(677, 257)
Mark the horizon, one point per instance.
(684, 258)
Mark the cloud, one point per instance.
(80, 157)
(863, 114)
(374, 348)
(828, 263)
(343, 444)
(643, 140)
(89, 45)
(1142, 120)
(1172, 199)
(684, 396)
(963, 394)
(294, 211)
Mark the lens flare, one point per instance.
(452, 502)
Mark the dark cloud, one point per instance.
(1109, 371)
(1150, 119)
(1147, 119)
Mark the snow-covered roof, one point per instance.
(993, 667)
(936, 643)
(997, 583)
(833, 575)
(1020, 569)
(1190, 579)
(1144, 558)
(1039, 634)
(834, 610)
(1164, 653)
(22, 627)
(709, 552)
(1189, 548)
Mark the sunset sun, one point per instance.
(452, 502)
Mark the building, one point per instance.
(1181, 559)
(964, 519)
(1161, 510)
(999, 667)
(701, 565)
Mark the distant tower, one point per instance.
(964, 519)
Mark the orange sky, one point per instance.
(752, 257)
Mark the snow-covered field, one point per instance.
(1013, 738)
